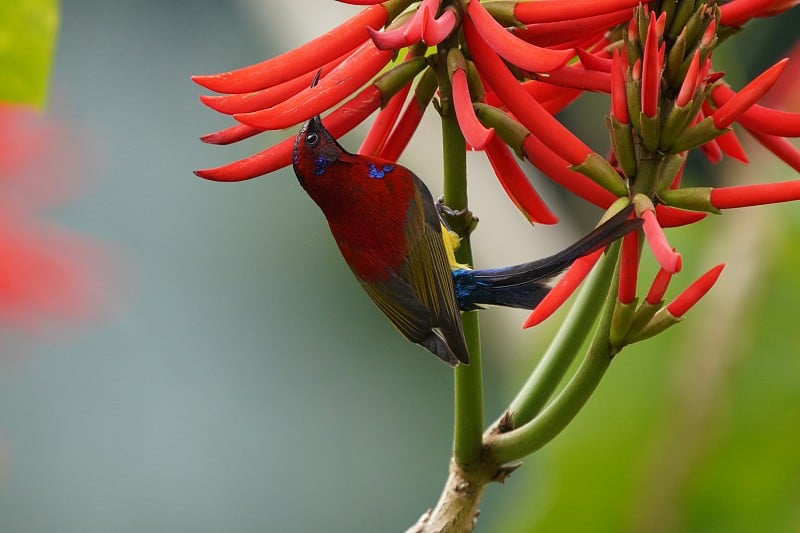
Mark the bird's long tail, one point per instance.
(524, 286)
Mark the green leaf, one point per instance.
(27, 34)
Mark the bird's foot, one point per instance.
(461, 221)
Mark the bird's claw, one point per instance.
(461, 221)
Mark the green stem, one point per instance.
(562, 350)
(517, 443)
(468, 415)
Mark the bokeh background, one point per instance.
(241, 381)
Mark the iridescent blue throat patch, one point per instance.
(320, 164)
(375, 172)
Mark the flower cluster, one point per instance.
(505, 69)
(47, 272)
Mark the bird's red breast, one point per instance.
(367, 202)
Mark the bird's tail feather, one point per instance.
(524, 286)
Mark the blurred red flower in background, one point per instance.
(48, 274)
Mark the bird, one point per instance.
(390, 232)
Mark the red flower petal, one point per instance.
(558, 10)
(387, 117)
(663, 252)
(686, 300)
(525, 55)
(354, 72)
(552, 33)
(712, 151)
(594, 61)
(737, 12)
(253, 101)
(516, 184)
(730, 146)
(651, 73)
(236, 133)
(557, 169)
(760, 194)
(619, 98)
(628, 267)
(659, 286)
(529, 112)
(578, 78)
(294, 63)
(339, 122)
(749, 95)
(563, 288)
(757, 117)
(690, 82)
(436, 30)
(780, 147)
(672, 217)
(411, 117)
(475, 133)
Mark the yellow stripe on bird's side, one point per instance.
(451, 243)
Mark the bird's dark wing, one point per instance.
(400, 302)
(427, 270)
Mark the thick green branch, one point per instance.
(468, 416)
(565, 346)
(517, 443)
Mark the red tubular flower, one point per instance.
(628, 268)
(730, 146)
(780, 147)
(619, 102)
(436, 30)
(690, 82)
(516, 184)
(760, 118)
(749, 95)
(376, 137)
(233, 134)
(342, 81)
(392, 39)
(474, 132)
(525, 55)
(737, 12)
(558, 10)
(529, 112)
(671, 217)
(712, 151)
(555, 168)
(563, 289)
(339, 122)
(694, 292)
(253, 101)
(562, 31)
(750, 195)
(662, 251)
(410, 119)
(579, 78)
(48, 274)
(594, 61)
(651, 70)
(299, 61)
(659, 286)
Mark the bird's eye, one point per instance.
(312, 139)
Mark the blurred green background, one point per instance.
(243, 381)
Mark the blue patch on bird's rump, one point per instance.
(375, 172)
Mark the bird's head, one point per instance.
(315, 149)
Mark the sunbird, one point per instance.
(390, 232)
